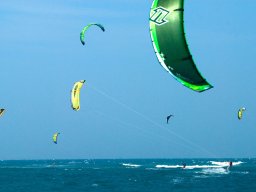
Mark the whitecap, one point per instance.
(130, 165)
(215, 171)
(202, 166)
(169, 166)
(225, 163)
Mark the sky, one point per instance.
(127, 94)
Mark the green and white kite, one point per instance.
(169, 42)
(86, 28)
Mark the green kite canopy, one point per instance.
(82, 33)
(169, 42)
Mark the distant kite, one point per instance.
(240, 113)
(82, 34)
(75, 95)
(169, 42)
(55, 137)
(168, 117)
(2, 112)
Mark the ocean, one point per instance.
(128, 175)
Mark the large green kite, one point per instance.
(169, 42)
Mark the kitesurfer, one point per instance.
(230, 164)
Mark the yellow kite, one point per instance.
(55, 137)
(75, 95)
(240, 113)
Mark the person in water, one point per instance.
(183, 165)
(230, 164)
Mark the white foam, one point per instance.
(245, 172)
(74, 162)
(169, 166)
(188, 166)
(215, 171)
(202, 166)
(225, 163)
(130, 165)
(215, 165)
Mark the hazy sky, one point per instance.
(127, 94)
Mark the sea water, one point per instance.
(128, 175)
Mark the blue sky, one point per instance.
(127, 94)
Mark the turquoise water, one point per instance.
(128, 175)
